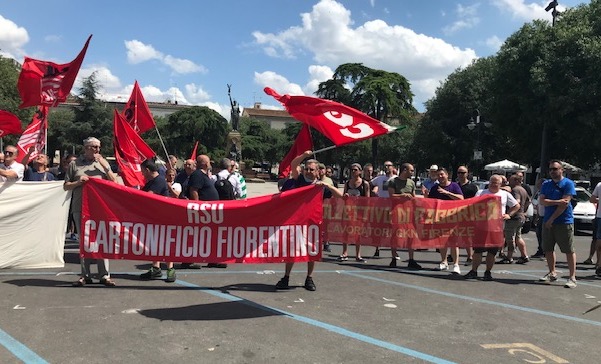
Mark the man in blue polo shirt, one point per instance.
(555, 195)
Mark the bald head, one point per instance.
(203, 162)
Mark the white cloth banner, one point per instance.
(33, 217)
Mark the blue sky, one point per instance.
(189, 50)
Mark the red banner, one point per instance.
(48, 83)
(338, 122)
(414, 223)
(136, 111)
(124, 223)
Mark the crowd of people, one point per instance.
(199, 180)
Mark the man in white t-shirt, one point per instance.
(507, 200)
(10, 170)
(381, 182)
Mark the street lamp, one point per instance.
(476, 124)
(543, 144)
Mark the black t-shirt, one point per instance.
(205, 185)
(157, 185)
(301, 181)
(469, 189)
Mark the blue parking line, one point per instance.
(19, 350)
(335, 329)
(474, 299)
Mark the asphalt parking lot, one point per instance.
(360, 313)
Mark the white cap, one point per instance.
(434, 167)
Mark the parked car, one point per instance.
(584, 212)
(482, 185)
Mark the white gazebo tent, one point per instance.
(505, 166)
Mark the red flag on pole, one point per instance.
(193, 156)
(302, 143)
(35, 134)
(339, 123)
(48, 83)
(9, 124)
(137, 113)
(130, 152)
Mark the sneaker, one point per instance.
(505, 261)
(443, 266)
(571, 283)
(153, 273)
(589, 261)
(361, 260)
(413, 264)
(283, 283)
(342, 258)
(472, 274)
(468, 262)
(326, 248)
(549, 277)
(456, 269)
(377, 253)
(539, 254)
(190, 266)
(171, 276)
(598, 271)
(522, 260)
(487, 276)
(392, 263)
(309, 284)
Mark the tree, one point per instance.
(260, 142)
(185, 127)
(90, 118)
(385, 96)
(9, 95)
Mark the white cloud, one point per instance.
(12, 39)
(138, 52)
(467, 18)
(519, 9)
(277, 82)
(328, 33)
(317, 74)
(494, 43)
(52, 38)
(196, 94)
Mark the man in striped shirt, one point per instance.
(240, 178)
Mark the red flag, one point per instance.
(48, 83)
(302, 143)
(130, 152)
(35, 134)
(193, 156)
(9, 124)
(339, 123)
(137, 113)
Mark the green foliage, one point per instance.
(185, 127)
(260, 142)
(9, 95)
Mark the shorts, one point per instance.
(513, 233)
(596, 230)
(560, 234)
(492, 251)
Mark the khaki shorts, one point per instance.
(512, 232)
(560, 234)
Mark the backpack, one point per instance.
(225, 189)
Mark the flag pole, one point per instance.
(324, 149)
(163, 145)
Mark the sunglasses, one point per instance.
(354, 170)
(388, 165)
(461, 172)
(551, 169)
(310, 169)
(8, 152)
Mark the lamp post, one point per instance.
(477, 124)
(543, 144)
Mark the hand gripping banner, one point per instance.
(120, 222)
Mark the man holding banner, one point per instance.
(309, 177)
(89, 165)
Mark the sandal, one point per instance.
(108, 282)
(82, 281)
